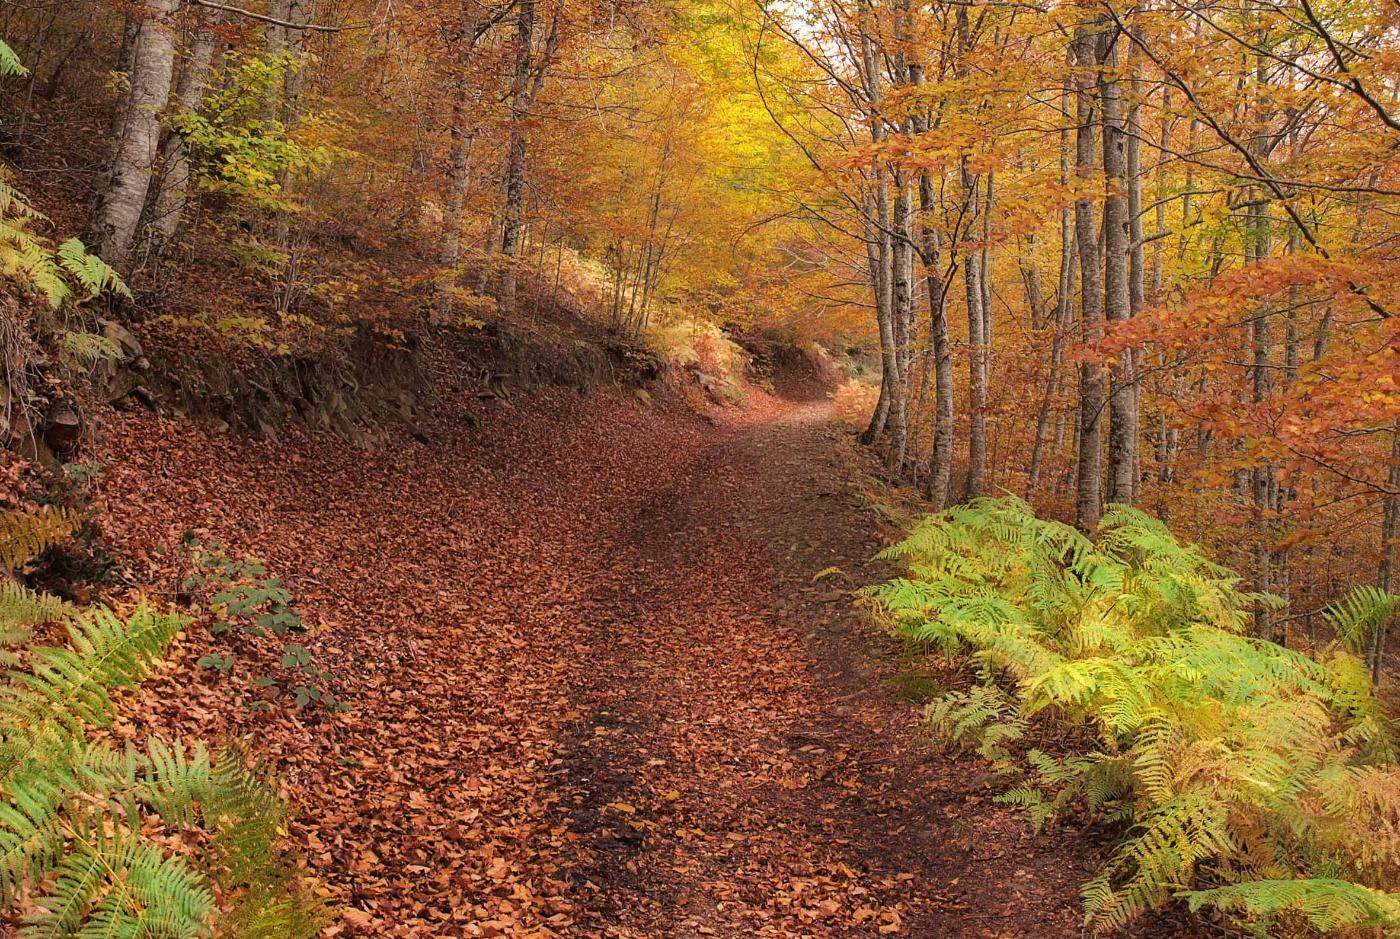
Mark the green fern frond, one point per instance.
(9, 62)
(31, 834)
(94, 275)
(1357, 615)
(115, 884)
(1328, 905)
(1235, 760)
(67, 688)
(25, 536)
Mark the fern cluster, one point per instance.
(59, 274)
(1254, 779)
(93, 836)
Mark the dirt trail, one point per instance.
(596, 692)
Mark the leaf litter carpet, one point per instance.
(595, 691)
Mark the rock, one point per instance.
(122, 337)
(63, 427)
(643, 397)
(122, 383)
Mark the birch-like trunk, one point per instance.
(120, 207)
(1088, 495)
(168, 210)
(1117, 223)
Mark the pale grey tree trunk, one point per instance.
(169, 204)
(940, 348)
(1064, 310)
(120, 207)
(516, 152)
(1137, 274)
(1088, 496)
(1390, 532)
(461, 137)
(882, 283)
(116, 127)
(976, 354)
(1123, 413)
(902, 299)
(458, 182)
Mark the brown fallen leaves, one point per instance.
(594, 690)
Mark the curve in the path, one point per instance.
(595, 690)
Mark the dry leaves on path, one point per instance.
(595, 689)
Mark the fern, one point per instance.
(1327, 904)
(94, 275)
(1240, 764)
(10, 64)
(90, 835)
(25, 536)
(28, 258)
(1357, 615)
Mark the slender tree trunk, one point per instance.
(116, 127)
(458, 182)
(902, 296)
(1064, 308)
(1137, 274)
(1123, 413)
(940, 347)
(169, 209)
(1091, 392)
(515, 157)
(1390, 532)
(976, 358)
(881, 281)
(119, 211)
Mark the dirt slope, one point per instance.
(595, 690)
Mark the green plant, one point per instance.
(1253, 778)
(236, 148)
(58, 274)
(246, 600)
(166, 841)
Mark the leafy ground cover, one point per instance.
(594, 689)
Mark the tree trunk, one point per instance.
(119, 211)
(1390, 532)
(173, 194)
(976, 361)
(1123, 411)
(881, 282)
(902, 297)
(515, 158)
(458, 182)
(940, 348)
(1091, 392)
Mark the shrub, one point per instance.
(1252, 778)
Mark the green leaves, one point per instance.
(28, 258)
(235, 148)
(1357, 616)
(249, 604)
(108, 842)
(91, 273)
(10, 63)
(1236, 760)
(219, 663)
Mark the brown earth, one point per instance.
(596, 690)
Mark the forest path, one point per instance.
(596, 691)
